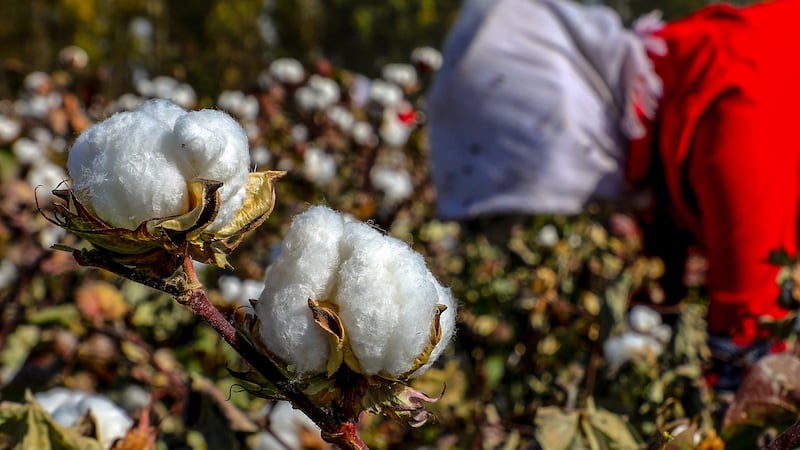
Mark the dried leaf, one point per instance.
(614, 427)
(28, 427)
(555, 428)
(326, 316)
(436, 336)
(16, 351)
(100, 300)
(769, 393)
(258, 204)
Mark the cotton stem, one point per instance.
(341, 432)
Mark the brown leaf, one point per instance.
(100, 300)
(770, 391)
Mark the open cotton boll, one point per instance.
(67, 407)
(305, 269)
(629, 345)
(119, 169)
(385, 297)
(212, 145)
(644, 319)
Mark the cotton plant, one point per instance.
(345, 302)
(159, 189)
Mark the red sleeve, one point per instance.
(730, 149)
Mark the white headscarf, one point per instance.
(534, 105)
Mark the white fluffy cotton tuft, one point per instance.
(135, 165)
(214, 146)
(386, 296)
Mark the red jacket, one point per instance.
(728, 136)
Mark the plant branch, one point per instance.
(788, 440)
(191, 293)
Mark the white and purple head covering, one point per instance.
(534, 106)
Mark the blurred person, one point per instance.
(543, 106)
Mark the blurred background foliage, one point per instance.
(219, 44)
(539, 302)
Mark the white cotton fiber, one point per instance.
(215, 146)
(366, 293)
(386, 296)
(120, 169)
(162, 110)
(135, 165)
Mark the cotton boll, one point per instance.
(214, 146)
(427, 57)
(340, 116)
(630, 345)
(304, 269)
(318, 166)
(128, 102)
(644, 319)
(66, 407)
(385, 94)
(299, 133)
(403, 75)
(260, 155)
(547, 236)
(9, 129)
(327, 90)
(363, 134)
(119, 169)
(238, 291)
(393, 130)
(385, 296)
(394, 183)
(285, 426)
(287, 70)
(28, 151)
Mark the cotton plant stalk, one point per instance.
(161, 180)
(345, 302)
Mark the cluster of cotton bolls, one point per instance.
(377, 114)
(644, 339)
(68, 406)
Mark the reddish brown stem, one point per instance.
(335, 428)
(787, 440)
